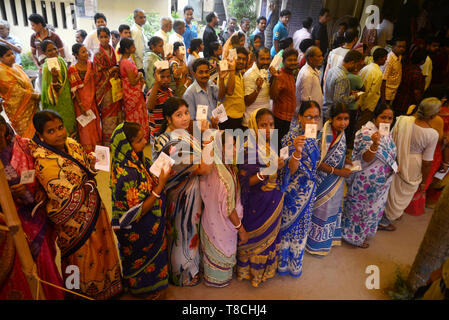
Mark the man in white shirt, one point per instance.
(372, 78)
(140, 40)
(308, 82)
(256, 84)
(303, 33)
(179, 28)
(91, 42)
(166, 27)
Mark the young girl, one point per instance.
(81, 76)
(156, 53)
(105, 68)
(196, 46)
(325, 229)
(180, 72)
(56, 89)
(133, 81)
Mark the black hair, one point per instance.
(305, 105)
(131, 129)
(353, 56)
(186, 8)
(257, 36)
(45, 43)
(176, 46)
(285, 43)
(169, 107)
(344, 24)
(379, 53)
(418, 56)
(115, 33)
(123, 27)
(244, 20)
(260, 19)
(103, 29)
(241, 50)
(307, 23)
(350, 35)
(76, 48)
(431, 40)
(398, 39)
(381, 108)
(235, 39)
(262, 112)
(40, 118)
(353, 23)
(210, 17)
(178, 24)
(37, 19)
(323, 11)
(212, 47)
(195, 44)
(99, 15)
(200, 62)
(82, 33)
(337, 109)
(125, 43)
(285, 13)
(154, 40)
(305, 44)
(261, 49)
(289, 52)
(4, 49)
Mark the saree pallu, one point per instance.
(141, 235)
(367, 194)
(90, 135)
(18, 105)
(183, 212)
(110, 112)
(406, 182)
(59, 100)
(135, 107)
(325, 229)
(84, 234)
(298, 206)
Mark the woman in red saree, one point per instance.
(81, 76)
(105, 68)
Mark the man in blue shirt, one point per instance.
(260, 29)
(280, 31)
(191, 30)
(10, 41)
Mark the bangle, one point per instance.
(155, 194)
(332, 170)
(239, 226)
(297, 159)
(258, 176)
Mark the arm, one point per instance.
(153, 96)
(345, 173)
(33, 56)
(230, 86)
(342, 87)
(369, 156)
(274, 88)
(276, 45)
(15, 48)
(250, 98)
(293, 163)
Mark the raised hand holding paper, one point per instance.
(284, 154)
(232, 54)
(84, 120)
(103, 158)
(384, 129)
(168, 49)
(162, 162)
(201, 112)
(220, 113)
(224, 65)
(311, 131)
(53, 63)
(276, 63)
(161, 64)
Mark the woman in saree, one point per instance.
(221, 223)
(75, 209)
(29, 200)
(105, 69)
(184, 203)
(262, 200)
(135, 107)
(138, 214)
(416, 141)
(367, 193)
(20, 100)
(214, 60)
(179, 70)
(82, 83)
(56, 94)
(325, 229)
(299, 176)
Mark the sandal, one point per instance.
(390, 227)
(365, 245)
(195, 281)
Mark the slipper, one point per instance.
(390, 227)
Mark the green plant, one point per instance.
(244, 9)
(175, 15)
(152, 25)
(27, 61)
(401, 290)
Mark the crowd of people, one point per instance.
(139, 93)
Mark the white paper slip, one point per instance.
(284, 154)
(359, 93)
(224, 66)
(384, 129)
(168, 49)
(182, 50)
(264, 74)
(356, 166)
(232, 54)
(103, 157)
(162, 162)
(311, 131)
(220, 113)
(440, 176)
(201, 112)
(27, 176)
(53, 63)
(276, 63)
(395, 167)
(161, 64)
(84, 120)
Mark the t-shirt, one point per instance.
(156, 115)
(319, 32)
(235, 103)
(279, 32)
(36, 41)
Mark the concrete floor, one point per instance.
(340, 275)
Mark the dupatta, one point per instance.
(49, 94)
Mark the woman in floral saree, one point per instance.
(21, 102)
(138, 213)
(84, 233)
(368, 189)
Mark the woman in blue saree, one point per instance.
(262, 202)
(137, 215)
(325, 229)
(368, 189)
(299, 176)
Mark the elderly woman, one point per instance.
(416, 141)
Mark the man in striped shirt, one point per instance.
(337, 87)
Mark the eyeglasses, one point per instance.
(316, 118)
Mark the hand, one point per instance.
(140, 76)
(243, 235)
(92, 160)
(274, 72)
(41, 195)
(299, 143)
(163, 178)
(231, 65)
(345, 173)
(347, 161)
(157, 76)
(422, 188)
(55, 73)
(18, 190)
(355, 95)
(259, 83)
(376, 139)
(204, 125)
(214, 122)
(281, 163)
(36, 96)
(83, 110)
(443, 168)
